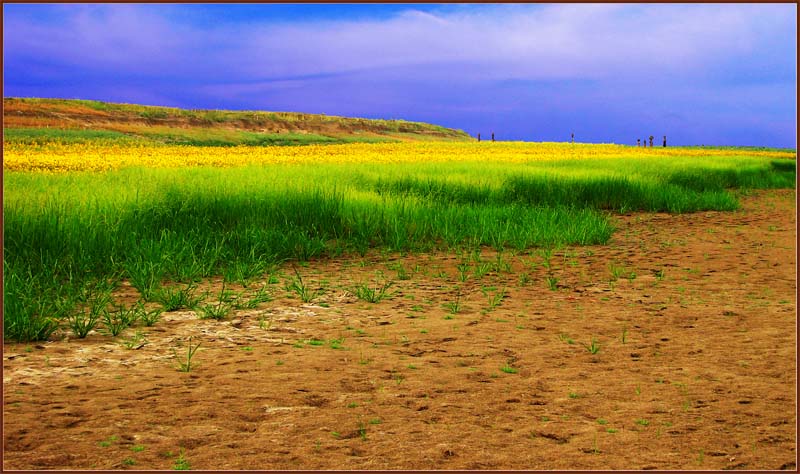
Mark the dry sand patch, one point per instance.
(704, 378)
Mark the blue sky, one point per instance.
(610, 73)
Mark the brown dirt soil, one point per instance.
(705, 378)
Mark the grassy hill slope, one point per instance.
(41, 120)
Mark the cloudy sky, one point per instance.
(698, 73)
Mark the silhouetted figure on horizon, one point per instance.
(638, 142)
(492, 136)
(651, 141)
(665, 141)
(573, 137)
(479, 137)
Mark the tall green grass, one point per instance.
(72, 237)
(667, 185)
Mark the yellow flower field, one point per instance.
(104, 156)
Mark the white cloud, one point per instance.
(556, 41)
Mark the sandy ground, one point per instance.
(696, 367)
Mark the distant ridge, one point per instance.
(71, 118)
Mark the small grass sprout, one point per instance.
(107, 442)
(148, 318)
(500, 264)
(362, 431)
(463, 272)
(136, 341)
(454, 306)
(217, 311)
(496, 299)
(402, 273)
(565, 338)
(481, 269)
(243, 302)
(299, 287)
(220, 310)
(117, 321)
(593, 347)
(524, 278)
(186, 365)
(181, 463)
(84, 321)
(508, 369)
(369, 294)
(547, 256)
(264, 321)
(175, 298)
(130, 315)
(616, 271)
(336, 343)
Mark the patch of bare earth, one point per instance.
(704, 379)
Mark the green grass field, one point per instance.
(71, 238)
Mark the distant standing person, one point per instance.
(573, 137)
(638, 142)
(665, 141)
(651, 141)
(492, 136)
(479, 137)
